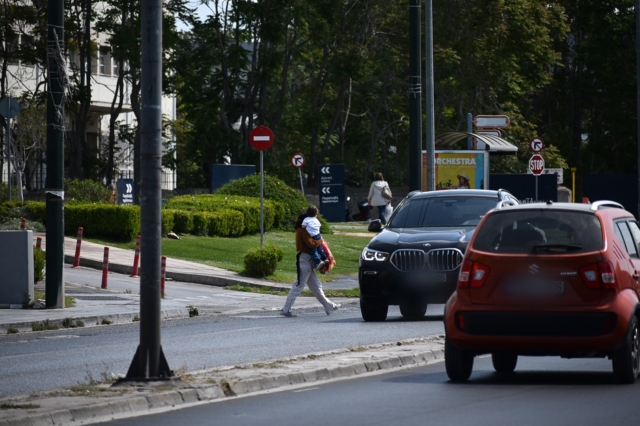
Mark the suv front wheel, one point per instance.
(373, 311)
(413, 310)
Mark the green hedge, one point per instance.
(103, 220)
(168, 221)
(182, 221)
(31, 210)
(262, 262)
(222, 223)
(292, 200)
(249, 207)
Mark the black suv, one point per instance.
(415, 259)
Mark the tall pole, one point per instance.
(415, 99)
(9, 155)
(149, 361)
(431, 128)
(54, 287)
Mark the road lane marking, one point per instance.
(305, 390)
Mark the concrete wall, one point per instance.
(16, 267)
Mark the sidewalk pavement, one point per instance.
(95, 403)
(94, 306)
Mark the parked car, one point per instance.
(415, 259)
(548, 279)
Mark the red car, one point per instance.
(548, 279)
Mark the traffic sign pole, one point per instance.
(261, 198)
(536, 187)
(301, 184)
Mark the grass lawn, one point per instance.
(228, 253)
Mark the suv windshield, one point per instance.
(442, 212)
(539, 232)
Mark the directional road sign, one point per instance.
(261, 138)
(482, 121)
(125, 191)
(332, 201)
(297, 160)
(536, 164)
(536, 144)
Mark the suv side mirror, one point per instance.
(375, 226)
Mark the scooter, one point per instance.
(363, 214)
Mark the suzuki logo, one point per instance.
(534, 269)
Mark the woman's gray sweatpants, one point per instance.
(306, 276)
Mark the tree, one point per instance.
(30, 136)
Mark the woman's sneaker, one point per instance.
(321, 264)
(287, 314)
(334, 308)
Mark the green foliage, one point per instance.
(103, 220)
(275, 249)
(276, 190)
(86, 191)
(168, 219)
(39, 260)
(262, 262)
(249, 207)
(182, 221)
(222, 223)
(12, 212)
(4, 192)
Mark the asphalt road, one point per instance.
(543, 391)
(49, 360)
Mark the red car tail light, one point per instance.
(607, 275)
(599, 275)
(479, 274)
(463, 277)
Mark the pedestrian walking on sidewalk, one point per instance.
(306, 272)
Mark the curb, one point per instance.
(211, 280)
(96, 320)
(144, 401)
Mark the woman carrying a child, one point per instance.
(305, 263)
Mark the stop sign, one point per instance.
(261, 138)
(536, 164)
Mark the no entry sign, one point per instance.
(261, 138)
(536, 164)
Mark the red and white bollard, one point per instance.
(23, 223)
(105, 268)
(39, 243)
(136, 258)
(76, 259)
(163, 275)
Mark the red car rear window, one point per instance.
(541, 231)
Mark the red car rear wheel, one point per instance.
(458, 362)
(626, 359)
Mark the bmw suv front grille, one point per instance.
(441, 260)
(409, 260)
(444, 259)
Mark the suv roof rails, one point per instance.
(505, 203)
(596, 205)
(505, 191)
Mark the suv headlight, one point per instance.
(370, 255)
